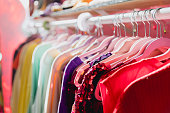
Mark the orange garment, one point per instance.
(56, 80)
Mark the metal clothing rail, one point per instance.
(162, 14)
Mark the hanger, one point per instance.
(163, 56)
(87, 43)
(94, 43)
(125, 41)
(156, 44)
(102, 46)
(149, 39)
(81, 69)
(71, 40)
(139, 45)
(97, 90)
(73, 37)
(121, 39)
(65, 45)
(135, 47)
(66, 42)
(123, 46)
(83, 38)
(115, 40)
(93, 51)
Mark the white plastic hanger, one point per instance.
(122, 42)
(115, 40)
(156, 44)
(133, 50)
(163, 56)
(149, 39)
(136, 47)
(103, 44)
(80, 70)
(122, 47)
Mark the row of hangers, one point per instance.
(124, 48)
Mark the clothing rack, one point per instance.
(162, 14)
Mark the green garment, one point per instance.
(37, 55)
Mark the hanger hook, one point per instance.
(97, 27)
(141, 15)
(118, 30)
(160, 28)
(118, 27)
(120, 17)
(153, 17)
(143, 12)
(134, 15)
(100, 30)
(147, 12)
(100, 27)
(115, 26)
(131, 21)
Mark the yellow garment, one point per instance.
(17, 80)
(25, 90)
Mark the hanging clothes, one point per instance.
(17, 53)
(118, 81)
(75, 73)
(22, 83)
(37, 55)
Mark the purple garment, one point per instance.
(99, 59)
(71, 66)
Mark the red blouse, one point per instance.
(112, 87)
(149, 94)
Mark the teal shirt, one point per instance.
(37, 55)
(45, 68)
